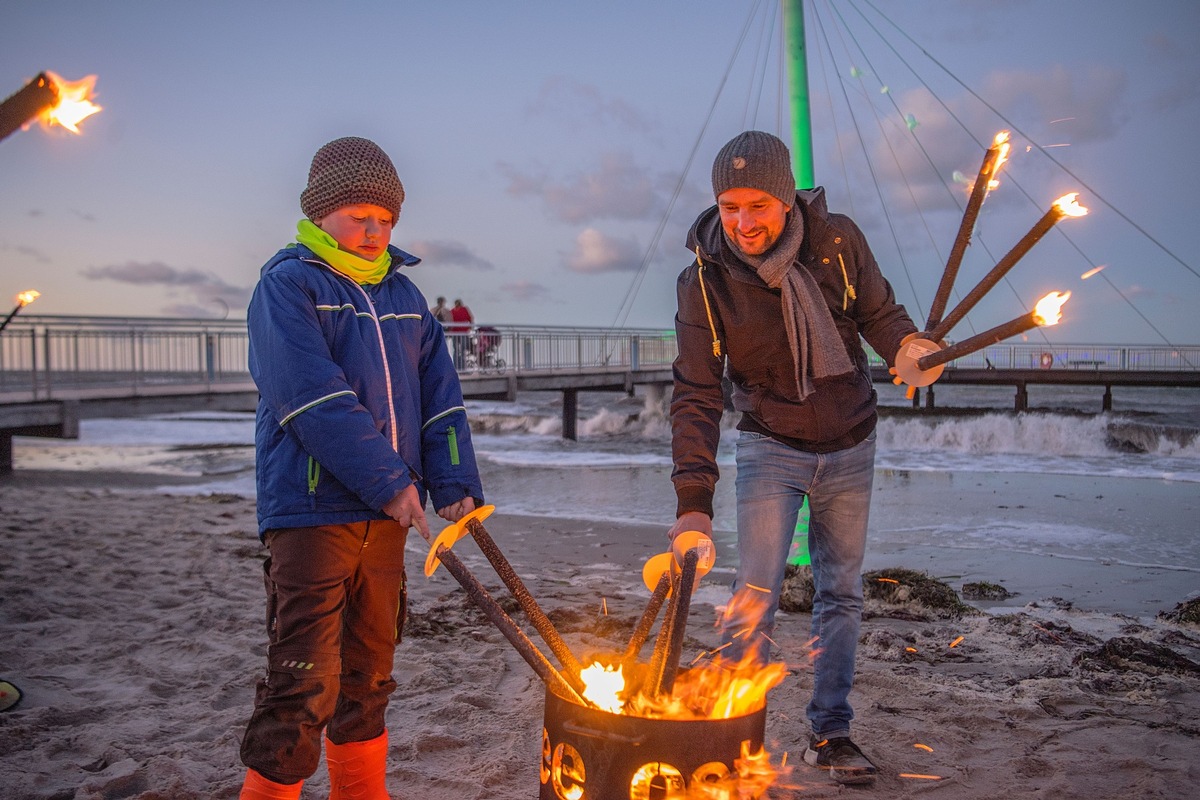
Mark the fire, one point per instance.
(603, 686)
(26, 297)
(1003, 149)
(74, 104)
(1068, 206)
(1048, 310)
(1091, 272)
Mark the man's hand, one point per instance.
(691, 521)
(406, 509)
(905, 362)
(455, 512)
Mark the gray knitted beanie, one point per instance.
(349, 171)
(755, 160)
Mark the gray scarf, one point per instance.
(817, 348)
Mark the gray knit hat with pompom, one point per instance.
(755, 160)
(347, 172)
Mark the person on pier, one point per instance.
(778, 295)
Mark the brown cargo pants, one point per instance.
(335, 610)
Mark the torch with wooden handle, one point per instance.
(472, 523)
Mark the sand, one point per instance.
(133, 623)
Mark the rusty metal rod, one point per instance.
(979, 191)
(1007, 262)
(687, 580)
(500, 618)
(658, 657)
(529, 605)
(27, 103)
(642, 632)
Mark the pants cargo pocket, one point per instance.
(272, 602)
(402, 610)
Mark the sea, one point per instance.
(618, 468)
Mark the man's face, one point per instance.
(362, 229)
(753, 220)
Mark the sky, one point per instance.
(554, 154)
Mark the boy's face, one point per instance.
(752, 219)
(362, 229)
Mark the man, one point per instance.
(778, 295)
(441, 312)
(459, 329)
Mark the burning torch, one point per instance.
(922, 356)
(23, 299)
(50, 98)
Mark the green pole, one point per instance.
(802, 150)
(802, 166)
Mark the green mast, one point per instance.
(802, 151)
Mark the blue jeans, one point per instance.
(772, 481)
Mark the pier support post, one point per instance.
(569, 413)
(1022, 399)
(1106, 404)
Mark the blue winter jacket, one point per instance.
(358, 396)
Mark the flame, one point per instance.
(1003, 149)
(26, 297)
(74, 103)
(1048, 310)
(603, 686)
(1091, 272)
(1068, 207)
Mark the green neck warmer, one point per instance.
(352, 266)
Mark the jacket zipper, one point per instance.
(452, 439)
(314, 475)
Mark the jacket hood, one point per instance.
(706, 231)
(400, 258)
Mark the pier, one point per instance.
(56, 370)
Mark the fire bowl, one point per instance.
(591, 754)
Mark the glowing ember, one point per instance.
(1091, 272)
(74, 103)
(603, 686)
(1048, 310)
(25, 298)
(924, 747)
(1068, 206)
(957, 641)
(919, 777)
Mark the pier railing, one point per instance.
(43, 357)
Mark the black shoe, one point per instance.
(845, 762)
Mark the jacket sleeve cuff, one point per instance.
(693, 498)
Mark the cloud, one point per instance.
(447, 253)
(584, 105)
(1051, 106)
(595, 252)
(1090, 96)
(207, 294)
(32, 253)
(525, 290)
(617, 189)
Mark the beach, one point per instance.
(132, 619)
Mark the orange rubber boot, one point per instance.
(256, 787)
(357, 769)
